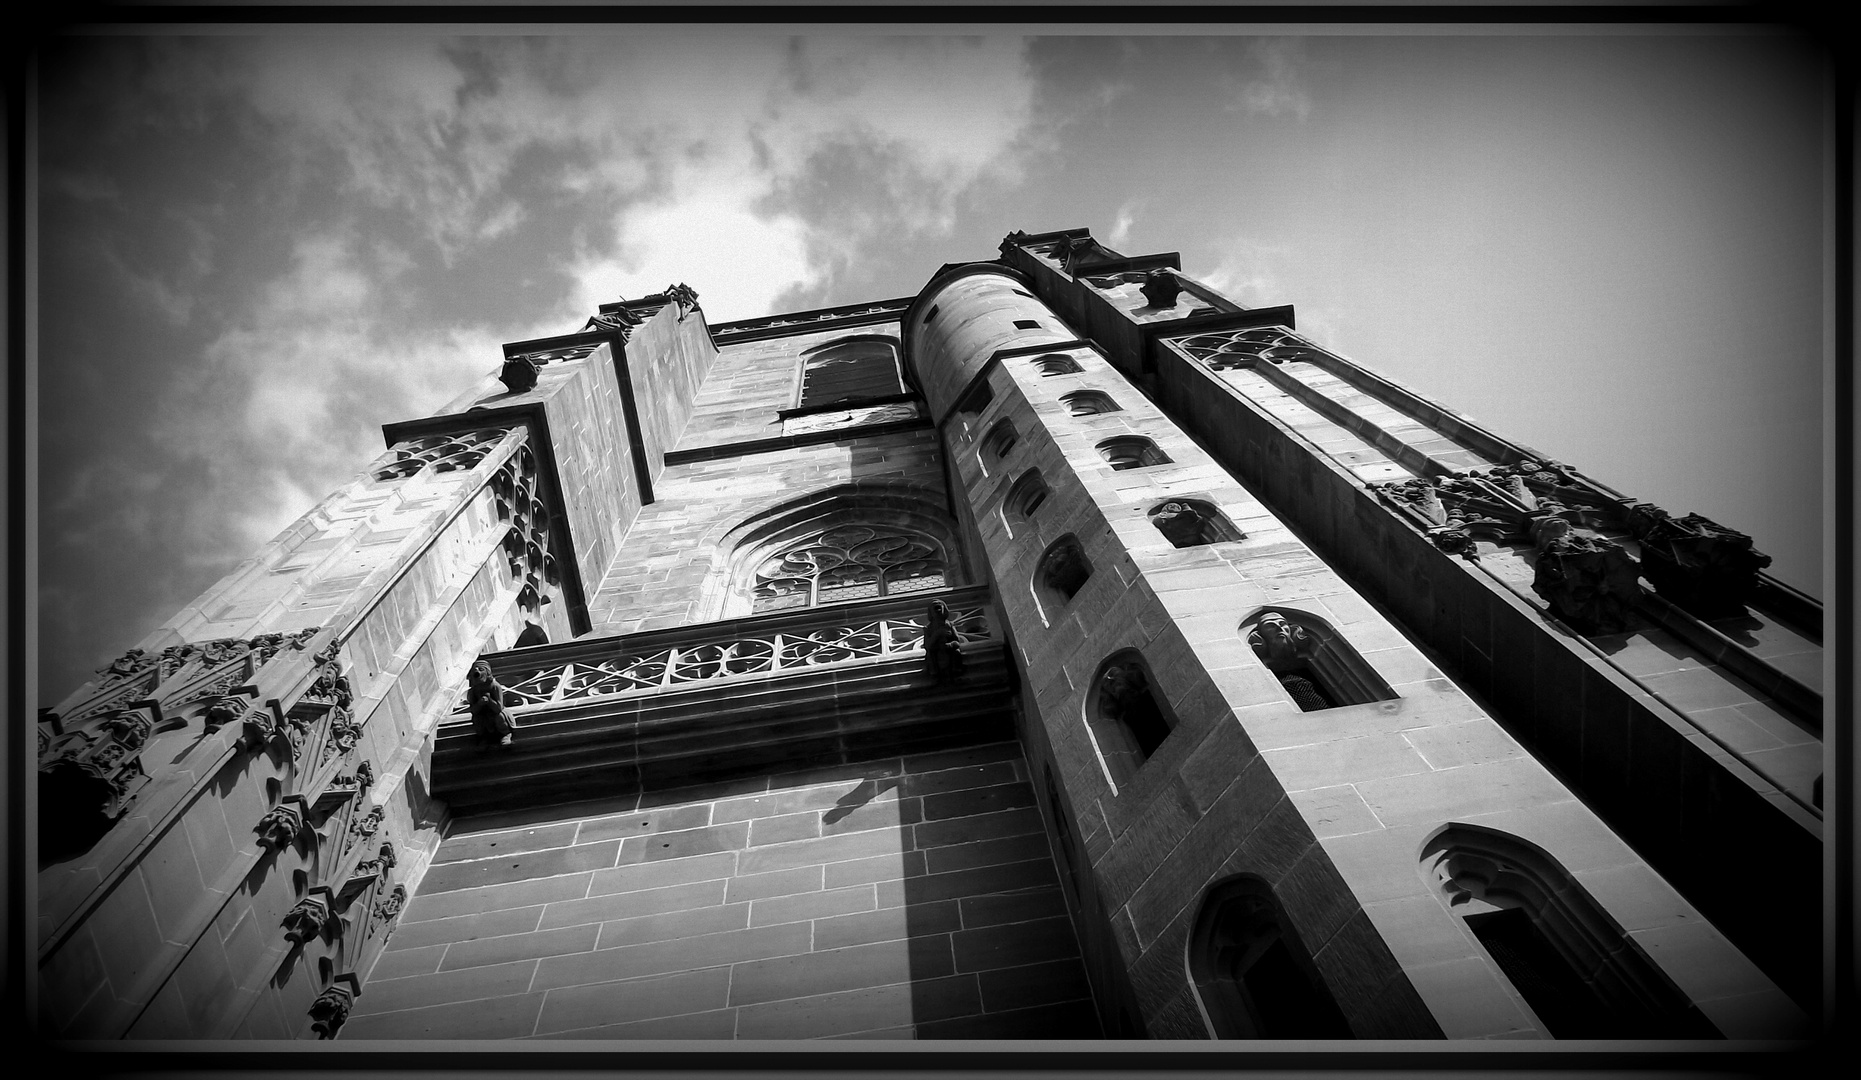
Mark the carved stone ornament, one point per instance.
(296, 732)
(519, 373)
(1162, 288)
(1695, 563)
(391, 906)
(1280, 643)
(364, 827)
(361, 780)
(343, 735)
(307, 920)
(331, 1007)
(223, 712)
(260, 728)
(1588, 580)
(683, 295)
(280, 827)
(331, 686)
(376, 867)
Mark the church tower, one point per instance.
(1065, 651)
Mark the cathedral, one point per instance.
(1062, 652)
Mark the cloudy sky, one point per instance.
(254, 251)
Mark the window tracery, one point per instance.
(845, 563)
(847, 371)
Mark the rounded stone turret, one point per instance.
(966, 315)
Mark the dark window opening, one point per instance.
(1252, 974)
(932, 313)
(1064, 568)
(1127, 716)
(1573, 964)
(1026, 495)
(1317, 667)
(1191, 523)
(849, 371)
(1132, 452)
(1000, 440)
(1089, 403)
(1026, 324)
(1057, 364)
(977, 399)
(1568, 1006)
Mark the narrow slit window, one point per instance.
(1026, 324)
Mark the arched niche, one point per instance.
(1189, 523)
(1058, 575)
(1127, 714)
(1132, 452)
(1000, 439)
(1025, 497)
(1056, 364)
(1089, 403)
(1318, 668)
(844, 545)
(1571, 962)
(849, 370)
(1251, 973)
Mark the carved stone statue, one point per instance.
(1588, 581)
(1280, 643)
(519, 374)
(943, 653)
(1161, 288)
(1695, 563)
(486, 699)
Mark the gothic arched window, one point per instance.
(847, 371)
(1252, 974)
(1317, 667)
(845, 563)
(1572, 963)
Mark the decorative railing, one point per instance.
(787, 642)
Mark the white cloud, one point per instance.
(1246, 272)
(1278, 87)
(1121, 227)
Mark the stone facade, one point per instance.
(1063, 652)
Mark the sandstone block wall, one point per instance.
(907, 897)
